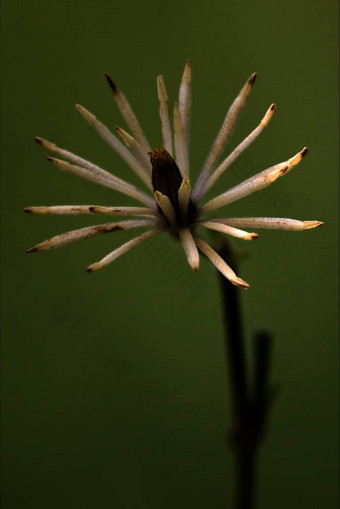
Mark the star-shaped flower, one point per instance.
(171, 205)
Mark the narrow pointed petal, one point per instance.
(189, 248)
(105, 179)
(225, 131)
(137, 150)
(89, 231)
(128, 114)
(259, 181)
(310, 225)
(114, 143)
(91, 209)
(184, 101)
(184, 197)
(122, 249)
(219, 263)
(73, 158)
(164, 115)
(220, 226)
(181, 145)
(274, 223)
(235, 153)
(166, 206)
(61, 209)
(124, 211)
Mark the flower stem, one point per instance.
(249, 395)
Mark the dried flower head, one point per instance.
(173, 207)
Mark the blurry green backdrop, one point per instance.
(114, 384)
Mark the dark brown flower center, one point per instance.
(167, 179)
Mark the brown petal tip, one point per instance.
(241, 284)
(317, 224)
(252, 79)
(304, 152)
(38, 140)
(113, 86)
(32, 250)
(273, 107)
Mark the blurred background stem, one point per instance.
(249, 389)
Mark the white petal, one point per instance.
(225, 132)
(189, 248)
(124, 211)
(91, 209)
(73, 158)
(122, 249)
(219, 226)
(113, 141)
(164, 115)
(259, 181)
(167, 208)
(104, 179)
(61, 209)
(184, 193)
(235, 153)
(219, 263)
(274, 223)
(128, 114)
(137, 150)
(184, 101)
(88, 231)
(181, 145)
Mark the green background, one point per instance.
(115, 390)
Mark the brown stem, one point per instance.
(249, 396)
